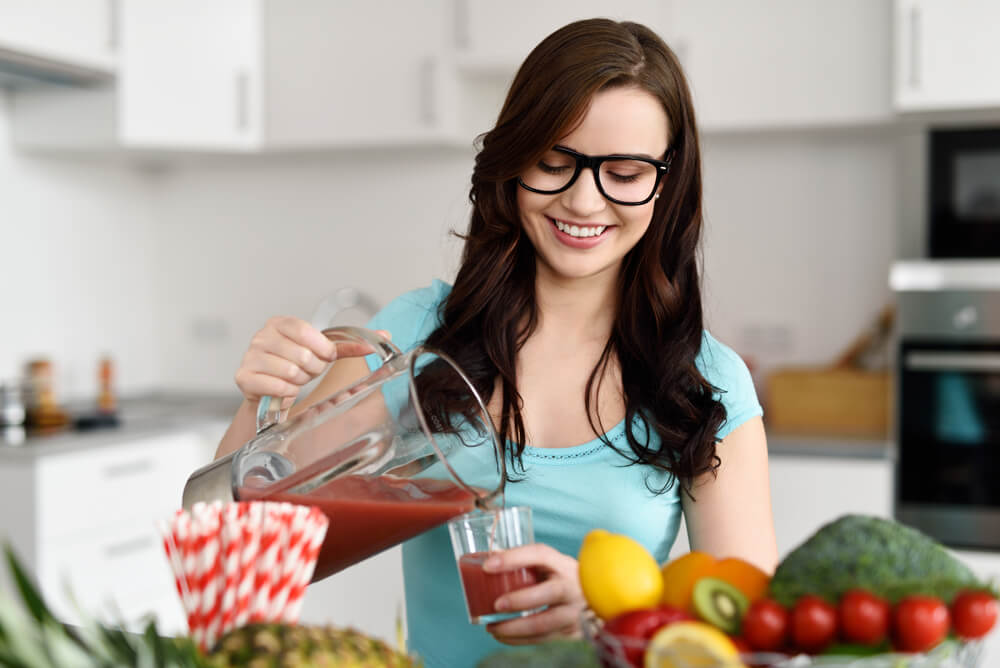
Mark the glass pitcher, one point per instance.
(389, 456)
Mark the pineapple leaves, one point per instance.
(29, 593)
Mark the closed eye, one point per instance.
(624, 178)
(553, 169)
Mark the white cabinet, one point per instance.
(77, 33)
(779, 63)
(253, 75)
(499, 35)
(84, 521)
(808, 492)
(769, 64)
(947, 54)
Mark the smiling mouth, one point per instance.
(577, 230)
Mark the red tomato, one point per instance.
(919, 623)
(974, 613)
(814, 624)
(765, 625)
(741, 645)
(863, 618)
(638, 626)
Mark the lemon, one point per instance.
(617, 574)
(691, 645)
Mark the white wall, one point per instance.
(800, 234)
(76, 276)
(239, 241)
(173, 270)
(801, 230)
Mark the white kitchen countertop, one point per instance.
(812, 445)
(139, 416)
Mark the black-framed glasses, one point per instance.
(623, 179)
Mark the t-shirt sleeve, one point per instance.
(410, 318)
(728, 373)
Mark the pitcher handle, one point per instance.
(269, 411)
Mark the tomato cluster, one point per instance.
(915, 624)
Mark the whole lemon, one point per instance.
(617, 574)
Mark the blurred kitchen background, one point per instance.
(173, 173)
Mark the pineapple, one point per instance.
(31, 637)
(284, 646)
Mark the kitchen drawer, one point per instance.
(80, 492)
(109, 575)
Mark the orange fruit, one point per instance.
(680, 575)
(743, 575)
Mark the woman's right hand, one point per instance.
(286, 354)
(283, 356)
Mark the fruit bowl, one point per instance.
(614, 652)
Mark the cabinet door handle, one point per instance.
(128, 468)
(428, 92)
(242, 100)
(127, 547)
(914, 51)
(114, 24)
(948, 360)
(460, 24)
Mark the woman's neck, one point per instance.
(577, 310)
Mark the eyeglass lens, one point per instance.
(623, 180)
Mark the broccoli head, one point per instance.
(883, 556)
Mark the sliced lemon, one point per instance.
(691, 645)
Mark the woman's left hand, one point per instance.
(558, 588)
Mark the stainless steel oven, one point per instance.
(948, 412)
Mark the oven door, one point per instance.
(948, 471)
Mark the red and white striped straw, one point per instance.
(240, 563)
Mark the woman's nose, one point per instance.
(584, 197)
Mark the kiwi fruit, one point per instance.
(720, 604)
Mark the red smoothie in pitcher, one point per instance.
(368, 515)
(483, 589)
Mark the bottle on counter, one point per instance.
(43, 413)
(12, 414)
(107, 403)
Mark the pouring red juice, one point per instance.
(368, 515)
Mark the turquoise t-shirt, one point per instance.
(570, 491)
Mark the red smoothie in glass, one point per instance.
(483, 589)
(368, 515)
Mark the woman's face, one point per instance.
(619, 121)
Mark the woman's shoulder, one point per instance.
(716, 359)
(412, 316)
(726, 371)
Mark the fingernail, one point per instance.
(491, 564)
(501, 604)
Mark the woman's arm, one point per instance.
(730, 515)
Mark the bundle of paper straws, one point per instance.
(241, 563)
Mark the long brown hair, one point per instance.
(657, 334)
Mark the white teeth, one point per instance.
(579, 232)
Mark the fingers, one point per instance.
(256, 385)
(560, 621)
(533, 555)
(286, 354)
(549, 592)
(305, 335)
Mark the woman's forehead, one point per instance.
(621, 120)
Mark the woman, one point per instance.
(577, 312)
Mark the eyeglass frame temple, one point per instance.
(593, 162)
